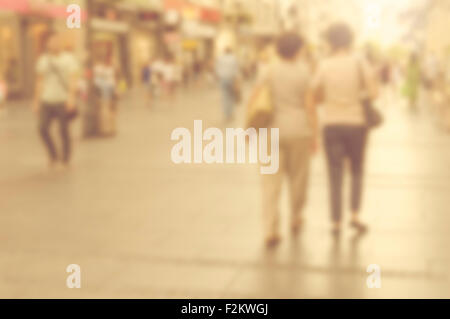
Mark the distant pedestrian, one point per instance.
(342, 79)
(412, 81)
(55, 97)
(106, 82)
(105, 77)
(386, 83)
(431, 71)
(146, 78)
(158, 76)
(227, 71)
(169, 76)
(385, 73)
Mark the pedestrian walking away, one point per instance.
(338, 80)
(288, 82)
(55, 97)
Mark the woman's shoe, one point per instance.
(297, 226)
(336, 230)
(360, 227)
(272, 241)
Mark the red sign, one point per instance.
(44, 9)
(210, 15)
(14, 5)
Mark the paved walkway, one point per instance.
(142, 227)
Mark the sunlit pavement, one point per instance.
(142, 227)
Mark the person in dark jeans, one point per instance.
(55, 93)
(49, 113)
(343, 79)
(342, 142)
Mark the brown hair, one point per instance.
(45, 37)
(339, 36)
(289, 44)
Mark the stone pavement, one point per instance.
(142, 227)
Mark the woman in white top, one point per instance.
(169, 76)
(54, 98)
(105, 78)
(342, 79)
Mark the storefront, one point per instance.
(144, 40)
(210, 20)
(22, 26)
(109, 38)
(143, 49)
(195, 33)
(10, 53)
(127, 32)
(199, 39)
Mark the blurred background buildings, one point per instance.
(136, 30)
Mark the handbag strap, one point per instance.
(60, 77)
(361, 79)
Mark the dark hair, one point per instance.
(339, 36)
(46, 35)
(288, 45)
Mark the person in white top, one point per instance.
(169, 76)
(105, 78)
(158, 75)
(55, 96)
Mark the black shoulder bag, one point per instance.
(372, 116)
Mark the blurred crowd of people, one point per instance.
(164, 75)
(337, 79)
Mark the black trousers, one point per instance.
(49, 113)
(341, 142)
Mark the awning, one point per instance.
(109, 25)
(29, 7)
(20, 6)
(194, 29)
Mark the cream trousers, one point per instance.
(294, 164)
